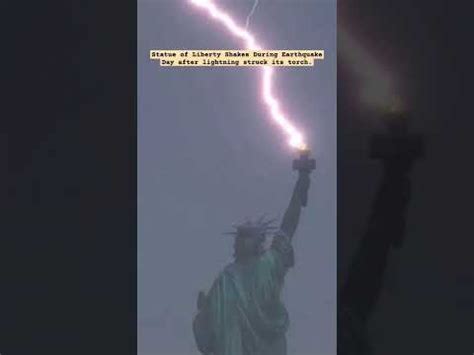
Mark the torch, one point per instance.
(304, 165)
(295, 138)
(398, 149)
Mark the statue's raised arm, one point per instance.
(304, 165)
(242, 313)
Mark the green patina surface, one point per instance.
(242, 313)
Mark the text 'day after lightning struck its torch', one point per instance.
(253, 55)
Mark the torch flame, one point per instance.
(295, 138)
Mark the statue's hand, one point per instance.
(396, 169)
(201, 300)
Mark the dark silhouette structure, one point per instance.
(397, 150)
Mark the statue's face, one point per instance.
(248, 245)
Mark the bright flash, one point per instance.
(295, 138)
(378, 87)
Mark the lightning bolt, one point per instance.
(295, 138)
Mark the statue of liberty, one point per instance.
(242, 313)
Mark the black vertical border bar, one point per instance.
(109, 121)
(68, 255)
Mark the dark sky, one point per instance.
(208, 156)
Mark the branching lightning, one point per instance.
(295, 137)
(247, 21)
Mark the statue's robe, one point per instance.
(243, 313)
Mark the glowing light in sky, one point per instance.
(378, 89)
(295, 137)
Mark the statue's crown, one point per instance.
(254, 228)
